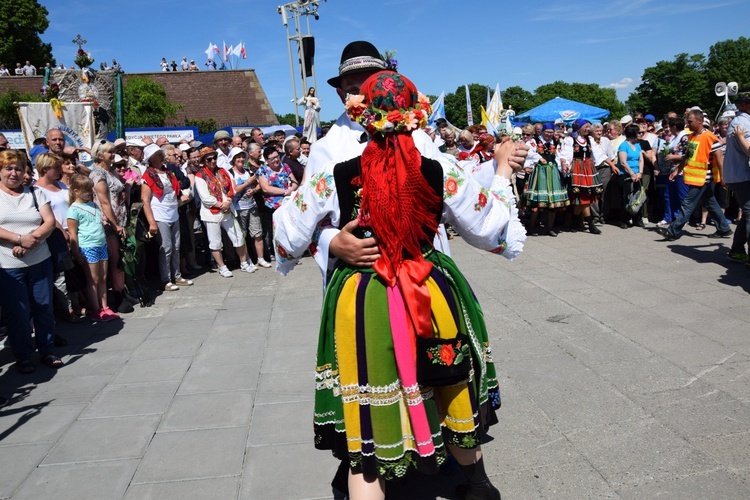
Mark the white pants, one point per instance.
(230, 225)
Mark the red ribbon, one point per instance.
(411, 278)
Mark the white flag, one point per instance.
(76, 123)
(210, 50)
(469, 115)
(237, 50)
(495, 109)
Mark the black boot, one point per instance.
(479, 487)
(592, 228)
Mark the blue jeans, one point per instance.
(26, 294)
(741, 192)
(699, 194)
(673, 197)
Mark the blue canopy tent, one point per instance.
(566, 109)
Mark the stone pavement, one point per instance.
(624, 365)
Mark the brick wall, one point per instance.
(232, 96)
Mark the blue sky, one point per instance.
(440, 44)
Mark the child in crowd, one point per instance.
(88, 244)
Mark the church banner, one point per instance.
(74, 119)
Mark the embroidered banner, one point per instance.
(76, 123)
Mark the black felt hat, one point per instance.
(358, 57)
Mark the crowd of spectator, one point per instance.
(626, 172)
(183, 66)
(30, 70)
(181, 201)
(184, 201)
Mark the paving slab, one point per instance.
(221, 487)
(618, 381)
(114, 438)
(194, 454)
(100, 480)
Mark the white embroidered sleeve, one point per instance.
(301, 218)
(485, 218)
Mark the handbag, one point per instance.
(636, 199)
(442, 362)
(58, 246)
(139, 224)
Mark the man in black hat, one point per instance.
(346, 140)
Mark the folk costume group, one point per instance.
(373, 408)
(564, 173)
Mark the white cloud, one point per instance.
(622, 84)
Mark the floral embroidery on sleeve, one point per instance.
(322, 184)
(502, 245)
(481, 201)
(452, 182)
(299, 200)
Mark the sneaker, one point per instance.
(721, 234)
(170, 287)
(263, 263)
(662, 224)
(248, 267)
(183, 282)
(225, 272)
(108, 314)
(668, 235)
(739, 257)
(99, 316)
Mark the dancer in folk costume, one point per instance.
(372, 405)
(544, 189)
(585, 186)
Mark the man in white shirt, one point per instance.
(347, 139)
(222, 143)
(184, 65)
(29, 69)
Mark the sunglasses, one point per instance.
(210, 158)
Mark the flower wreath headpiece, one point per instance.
(393, 106)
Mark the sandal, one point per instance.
(53, 361)
(25, 367)
(700, 227)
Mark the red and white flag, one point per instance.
(243, 51)
(226, 51)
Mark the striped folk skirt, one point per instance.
(369, 408)
(585, 185)
(545, 188)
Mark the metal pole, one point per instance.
(120, 118)
(301, 50)
(315, 82)
(291, 70)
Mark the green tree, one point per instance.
(22, 23)
(145, 103)
(673, 86)
(288, 119)
(519, 99)
(455, 104)
(204, 126)
(8, 110)
(587, 93)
